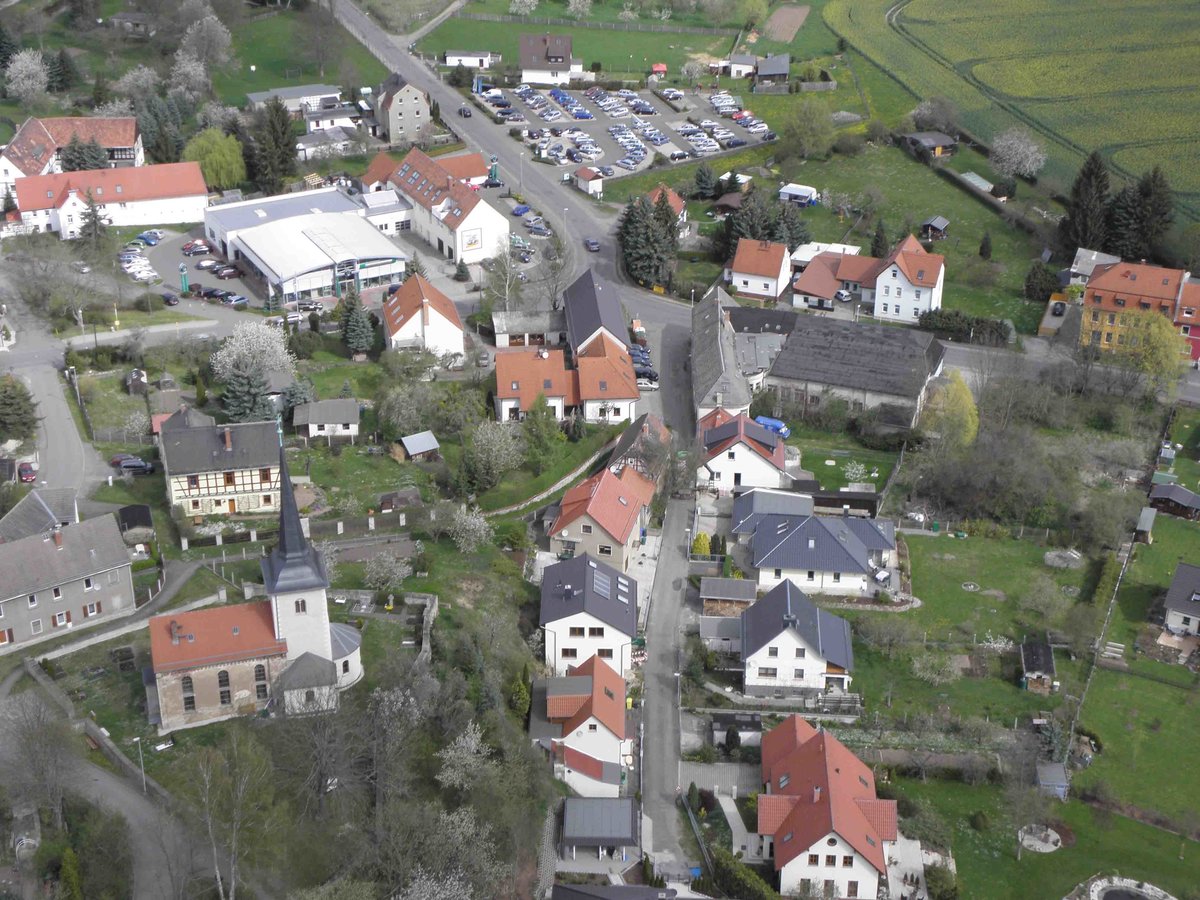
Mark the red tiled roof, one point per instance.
(762, 258)
(1137, 279)
(156, 421)
(534, 374)
(125, 185)
(818, 279)
(465, 167)
(587, 173)
(614, 503)
(919, 267)
(580, 761)
(211, 636)
(605, 372)
(773, 809)
(416, 296)
(1190, 299)
(380, 169)
(425, 182)
(673, 199)
(564, 706)
(858, 269)
(607, 702)
(37, 140)
(881, 814)
(782, 740)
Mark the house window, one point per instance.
(576, 632)
(223, 679)
(745, 282)
(1108, 337)
(345, 667)
(773, 652)
(851, 888)
(596, 632)
(570, 653)
(32, 600)
(814, 859)
(899, 294)
(894, 271)
(1119, 301)
(767, 673)
(193, 482)
(226, 698)
(56, 593)
(264, 475)
(229, 480)
(87, 584)
(61, 619)
(301, 607)
(586, 529)
(266, 499)
(798, 674)
(1189, 311)
(731, 454)
(837, 577)
(885, 307)
(35, 627)
(189, 703)
(811, 575)
(606, 652)
(310, 696)
(918, 294)
(1112, 318)
(787, 837)
(91, 609)
(320, 426)
(195, 504)
(916, 312)
(847, 862)
(605, 549)
(800, 653)
(830, 859)
(1095, 315)
(260, 672)
(779, 573)
(766, 285)
(887, 291)
(260, 691)
(830, 888)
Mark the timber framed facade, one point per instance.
(226, 493)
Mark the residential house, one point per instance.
(588, 609)
(225, 661)
(327, 142)
(726, 596)
(773, 69)
(1118, 293)
(592, 312)
(36, 147)
(789, 646)
(39, 512)
(446, 213)
(469, 168)
(604, 516)
(817, 286)
(420, 316)
(1182, 603)
(472, 59)
(935, 228)
(60, 577)
(935, 143)
(146, 195)
(402, 110)
(759, 269)
(819, 819)
(717, 380)
(330, 113)
(870, 366)
(1085, 263)
(805, 253)
(579, 720)
(548, 59)
(1037, 666)
(524, 375)
(799, 195)
(842, 555)
(327, 419)
(1175, 500)
(295, 99)
(422, 445)
(737, 452)
(590, 181)
(908, 283)
(751, 507)
(739, 65)
(607, 828)
(219, 470)
(677, 204)
(608, 390)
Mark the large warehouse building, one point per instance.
(305, 244)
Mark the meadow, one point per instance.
(1123, 88)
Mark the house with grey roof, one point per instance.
(717, 381)
(1182, 603)
(591, 311)
(645, 446)
(588, 608)
(751, 507)
(842, 555)
(327, 419)
(422, 445)
(219, 470)
(1175, 500)
(295, 98)
(601, 828)
(61, 578)
(790, 646)
(869, 366)
(773, 69)
(39, 512)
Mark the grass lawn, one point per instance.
(1185, 429)
(604, 11)
(818, 447)
(109, 405)
(987, 863)
(329, 374)
(353, 473)
(203, 583)
(1150, 574)
(1143, 725)
(148, 489)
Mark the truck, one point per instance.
(775, 425)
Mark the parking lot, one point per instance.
(167, 256)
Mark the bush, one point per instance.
(942, 883)
(956, 325)
(1004, 187)
(848, 144)
(737, 879)
(980, 820)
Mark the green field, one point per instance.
(1150, 574)
(1125, 86)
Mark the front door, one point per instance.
(232, 505)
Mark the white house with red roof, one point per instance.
(601, 387)
(603, 516)
(169, 193)
(590, 180)
(446, 213)
(737, 452)
(608, 390)
(469, 168)
(36, 147)
(579, 719)
(908, 283)
(759, 269)
(819, 819)
(419, 315)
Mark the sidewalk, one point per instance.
(116, 337)
(741, 837)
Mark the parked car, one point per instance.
(196, 250)
(520, 210)
(236, 300)
(843, 296)
(212, 293)
(27, 472)
(310, 306)
(149, 238)
(493, 183)
(645, 384)
(540, 231)
(778, 426)
(156, 232)
(591, 245)
(209, 263)
(119, 458)
(645, 372)
(135, 466)
(226, 272)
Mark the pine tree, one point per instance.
(1085, 224)
(360, 334)
(298, 393)
(350, 302)
(18, 412)
(1127, 225)
(666, 233)
(705, 185)
(276, 148)
(791, 227)
(245, 397)
(91, 226)
(100, 92)
(8, 46)
(755, 220)
(70, 71)
(57, 82)
(415, 267)
(347, 391)
(641, 241)
(1158, 206)
(1040, 282)
(10, 202)
(985, 246)
(201, 392)
(461, 272)
(879, 243)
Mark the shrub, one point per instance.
(980, 820)
(942, 883)
(849, 144)
(956, 325)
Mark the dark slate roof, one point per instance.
(34, 563)
(752, 319)
(308, 671)
(593, 821)
(717, 435)
(38, 512)
(294, 564)
(1176, 494)
(775, 65)
(941, 223)
(583, 584)
(190, 449)
(823, 543)
(786, 606)
(727, 588)
(136, 515)
(343, 639)
(858, 356)
(721, 628)
(186, 417)
(931, 139)
(610, 892)
(714, 356)
(1183, 596)
(1037, 656)
(641, 429)
(589, 308)
(326, 412)
(750, 507)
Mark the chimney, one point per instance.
(58, 536)
(228, 438)
(176, 630)
(816, 793)
(424, 310)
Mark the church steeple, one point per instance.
(294, 564)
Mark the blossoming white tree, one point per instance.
(470, 530)
(26, 76)
(253, 346)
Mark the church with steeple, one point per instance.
(237, 660)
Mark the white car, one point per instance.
(645, 384)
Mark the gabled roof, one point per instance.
(37, 140)
(393, 85)
(818, 279)
(639, 439)
(294, 564)
(536, 50)
(38, 512)
(379, 169)
(605, 372)
(613, 502)
(751, 507)
(931, 139)
(326, 412)
(762, 258)
(523, 374)
(787, 607)
(465, 166)
(417, 297)
(716, 378)
(426, 183)
(421, 442)
(820, 543)
(939, 223)
(720, 430)
(606, 701)
(35, 563)
(583, 584)
(674, 201)
(125, 185)
(295, 92)
(1037, 657)
(776, 65)
(1085, 261)
(589, 309)
(588, 173)
(742, 590)
(187, 450)
(919, 267)
(1183, 596)
(1175, 493)
(595, 821)
(1138, 279)
(220, 634)
(832, 791)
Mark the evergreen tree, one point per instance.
(70, 72)
(201, 392)
(276, 147)
(8, 46)
(790, 227)
(1040, 282)
(879, 242)
(100, 92)
(360, 334)
(415, 267)
(10, 202)
(642, 246)
(92, 229)
(1127, 224)
(985, 246)
(1085, 224)
(298, 393)
(57, 82)
(756, 220)
(666, 232)
(70, 882)
(350, 302)
(1158, 206)
(461, 272)
(347, 391)
(245, 397)
(541, 432)
(83, 156)
(18, 412)
(83, 13)
(705, 185)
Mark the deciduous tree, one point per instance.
(253, 345)
(542, 434)
(579, 9)
(209, 41)
(470, 530)
(26, 77)
(936, 114)
(220, 158)
(809, 132)
(494, 448)
(1015, 152)
(321, 37)
(386, 572)
(955, 417)
(522, 7)
(140, 81)
(189, 77)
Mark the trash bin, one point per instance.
(936, 527)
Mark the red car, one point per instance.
(27, 473)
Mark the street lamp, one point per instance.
(141, 762)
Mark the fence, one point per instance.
(318, 529)
(610, 26)
(117, 435)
